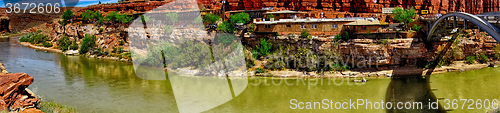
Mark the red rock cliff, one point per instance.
(361, 6)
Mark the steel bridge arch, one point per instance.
(484, 25)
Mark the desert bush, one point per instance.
(47, 44)
(264, 48)
(64, 43)
(304, 34)
(88, 43)
(483, 58)
(225, 39)
(470, 59)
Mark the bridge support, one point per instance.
(455, 22)
(465, 24)
(446, 21)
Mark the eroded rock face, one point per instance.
(389, 52)
(4, 24)
(361, 6)
(13, 92)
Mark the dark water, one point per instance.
(93, 85)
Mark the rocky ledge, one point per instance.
(2, 69)
(14, 96)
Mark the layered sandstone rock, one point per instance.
(392, 52)
(364, 6)
(13, 92)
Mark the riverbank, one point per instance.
(388, 72)
(40, 48)
(401, 71)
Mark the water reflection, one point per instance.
(412, 89)
(114, 85)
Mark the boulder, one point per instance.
(13, 92)
(2, 69)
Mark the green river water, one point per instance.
(93, 85)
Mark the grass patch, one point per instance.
(49, 106)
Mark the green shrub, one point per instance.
(47, 44)
(117, 50)
(404, 15)
(88, 43)
(67, 15)
(340, 67)
(121, 42)
(470, 59)
(225, 39)
(226, 27)
(39, 38)
(483, 58)
(74, 46)
(210, 18)
(264, 48)
(269, 16)
(304, 34)
(260, 70)
(416, 27)
(240, 18)
(115, 17)
(24, 39)
(64, 43)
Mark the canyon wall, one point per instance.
(361, 6)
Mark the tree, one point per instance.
(88, 43)
(269, 16)
(99, 2)
(124, 18)
(226, 27)
(404, 15)
(304, 34)
(87, 15)
(225, 39)
(240, 18)
(210, 18)
(98, 16)
(265, 47)
(67, 15)
(172, 17)
(112, 16)
(115, 17)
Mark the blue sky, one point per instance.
(81, 3)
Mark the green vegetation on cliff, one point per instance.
(404, 15)
(67, 16)
(210, 18)
(88, 43)
(115, 17)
